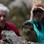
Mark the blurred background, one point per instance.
(19, 11)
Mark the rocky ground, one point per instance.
(9, 37)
